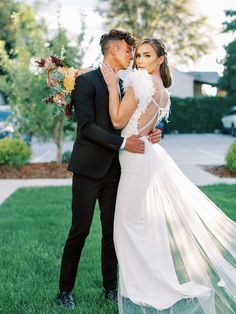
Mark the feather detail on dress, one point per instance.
(167, 109)
(142, 84)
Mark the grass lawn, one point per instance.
(33, 227)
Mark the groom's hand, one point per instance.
(134, 145)
(155, 136)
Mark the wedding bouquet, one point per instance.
(60, 78)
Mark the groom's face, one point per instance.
(122, 54)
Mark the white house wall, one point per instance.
(182, 84)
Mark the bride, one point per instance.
(176, 249)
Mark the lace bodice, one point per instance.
(153, 102)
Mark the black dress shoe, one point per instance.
(111, 295)
(66, 300)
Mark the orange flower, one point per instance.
(59, 99)
(63, 70)
(69, 83)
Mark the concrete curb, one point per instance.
(8, 186)
(195, 173)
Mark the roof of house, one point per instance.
(205, 77)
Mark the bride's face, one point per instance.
(147, 58)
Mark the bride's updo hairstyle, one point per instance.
(160, 49)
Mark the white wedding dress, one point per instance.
(176, 249)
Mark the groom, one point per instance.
(95, 166)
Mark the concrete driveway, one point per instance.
(188, 150)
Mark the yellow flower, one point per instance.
(69, 82)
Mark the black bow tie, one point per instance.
(122, 90)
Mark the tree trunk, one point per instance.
(58, 136)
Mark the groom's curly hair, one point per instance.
(115, 34)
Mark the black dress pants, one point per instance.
(85, 192)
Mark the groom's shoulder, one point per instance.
(89, 77)
(91, 74)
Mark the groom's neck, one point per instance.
(109, 60)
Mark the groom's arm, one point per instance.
(83, 101)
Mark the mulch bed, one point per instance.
(220, 171)
(54, 171)
(36, 170)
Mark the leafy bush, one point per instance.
(231, 158)
(65, 158)
(14, 152)
(198, 114)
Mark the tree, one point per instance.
(75, 54)
(228, 81)
(173, 21)
(23, 88)
(7, 33)
(19, 80)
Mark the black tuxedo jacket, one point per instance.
(97, 142)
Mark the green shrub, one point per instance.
(231, 158)
(14, 152)
(198, 114)
(65, 158)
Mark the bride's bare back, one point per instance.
(153, 103)
(156, 110)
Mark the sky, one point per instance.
(70, 10)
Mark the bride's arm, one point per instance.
(120, 111)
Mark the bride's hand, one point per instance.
(155, 136)
(109, 75)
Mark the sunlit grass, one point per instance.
(33, 227)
